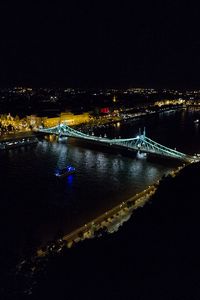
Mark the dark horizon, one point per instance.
(103, 87)
(95, 45)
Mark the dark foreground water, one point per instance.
(35, 206)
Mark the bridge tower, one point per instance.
(143, 135)
(59, 130)
(144, 132)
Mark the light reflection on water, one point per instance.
(101, 181)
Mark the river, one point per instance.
(36, 206)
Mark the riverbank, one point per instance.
(103, 223)
(33, 267)
(7, 144)
(110, 220)
(17, 135)
(127, 116)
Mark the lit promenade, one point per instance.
(116, 215)
(128, 206)
(106, 219)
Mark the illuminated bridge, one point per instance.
(140, 143)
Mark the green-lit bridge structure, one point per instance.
(140, 143)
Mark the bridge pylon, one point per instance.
(144, 132)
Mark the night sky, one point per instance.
(96, 44)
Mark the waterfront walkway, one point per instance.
(111, 218)
(107, 219)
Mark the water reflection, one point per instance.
(62, 152)
(101, 181)
(70, 179)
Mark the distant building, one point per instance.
(105, 110)
(34, 120)
(71, 119)
(68, 118)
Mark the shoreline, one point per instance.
(94, 226)
(107, 222)
(30, 133)
(31, 267)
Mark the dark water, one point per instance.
(35, 205)
(174, 129)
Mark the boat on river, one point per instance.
(65, 172)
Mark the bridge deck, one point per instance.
(140, 143)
